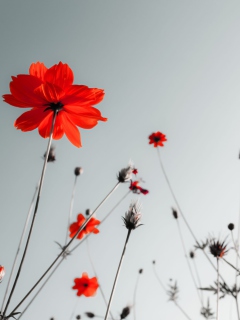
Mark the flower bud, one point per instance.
(175, 214)
(231, 226)
(140, 271)
(125, 312)
(78, 317)
(2, 272)
(90, 314)
(78, 171)
(192, 254)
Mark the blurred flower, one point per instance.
(125, 174)
(78, 171)
(175, 214)
(51, 155)
(90, 314)
(51, 90)
(88, 212)
(231, 226)
(78, 317)
(217, 248)
(133, 216)
(85, 285)
(140, 271)
(2, 272)
(157, 138)
(90, 227)
(135, 171)
(137, 189)
(125, 312)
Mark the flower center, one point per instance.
(55, 106)
(85, 285)
(156, 139)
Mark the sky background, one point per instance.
(170, 66)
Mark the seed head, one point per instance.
(125, 174)
(78, 317)
(140, 271)
(88, 212)
(217, 248)
(125, 312)
(231, 226)
(90, 314)
(175, 214)
(78, 171)
(133, 216)
(51, 155)
(192, 254)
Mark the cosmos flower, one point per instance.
(2, 272)
(90, 227)
(217, 248)
(86, 286)
(157, 138)
(47, 91)
(134, 186)
(133, 216)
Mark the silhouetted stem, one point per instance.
(64, 249)
(34, 213)
(117, 274)
(134, 297)
(217, 287)
(71, 207)
(198, 277)
(19, 246)
(181, 309)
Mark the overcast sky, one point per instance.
(170, 66)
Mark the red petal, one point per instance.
(38, 70)
(45, 126)
(60, 75)
(49, 92)
(9, 98)
(70, 129)
(22, 88)
(58, 131)
(86, 121)
(30, 120)
(82, 96)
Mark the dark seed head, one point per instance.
(90, 314)
(88, 212)
(140, 271)
(231, 226)
(78, 317)
(192, 254)
(175, 214)
(125, 312)
(78, 171)
(153, 262)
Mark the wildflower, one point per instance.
(49, 91)
(135, 171)
(175, 214)
(132, 216)
(86, 286)
(2, 272)
(231, 226)
(137, 189)
(90, 314)
(78, 171)
(90, 227)
(217, 248)
(51, 155)
(125, 312)
(157, 138)
(125, 174)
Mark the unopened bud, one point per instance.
(125, 312)
(90, 314)
(140, 271)
(231, 226)
(78, 317)
(192, 254)
(175, 214)
(78, 171)
(88, 212)
(2, 272)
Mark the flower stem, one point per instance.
(34, 213)
(117, 274)
(181, 309)
(64, 249)
(134, 297)
(217, 287)
(19, 246)
(71, 208)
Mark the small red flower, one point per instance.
(157, 138)
(86, 286)
(2, 272)
(135, 171)
(52, 90)
(90, 227)
(136, 188)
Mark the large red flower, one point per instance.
(86, 286)
(52, 90)
(90, 227)
(157, 138)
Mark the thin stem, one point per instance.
(231, 265)
(189, 266)
(95, 273)
(160, 282)
(198, 277)
(217, 287)
(236, 275)
(71, 207)
(117, 274)
(74, 310)
(40, 289)
(134, 297)
(181, 309)
(19, 246)
(65, 248)
(235, 248)
(34, 213)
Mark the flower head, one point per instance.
(175, 213)
(157, 138)
(217, 248)
(231, 226)
(2, 272)
(78, 171)
(51, 155)
(49, 91)
(135, 188)
(133, 216)
(86, 286)
(90, 227)
(125, 174)
(135, 171)
(125, 312)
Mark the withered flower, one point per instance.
(217, 248)
(133, 216)
(125, 312)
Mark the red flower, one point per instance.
(90, 227)
(86, 286)
(52, 90)
(135, 171)
(157, 138)
(137, 189)
(2, 272)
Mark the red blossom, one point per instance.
(134, 186)
(2, 272)
(86, 286)
(135, 171)
(90, 227)
(157, 138)
(47, 91)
